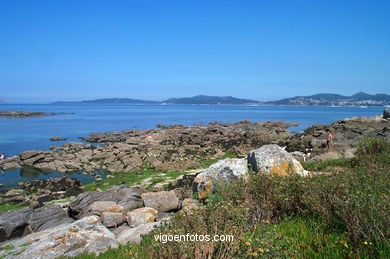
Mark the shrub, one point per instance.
(329, 215)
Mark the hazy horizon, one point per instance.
(261, 50)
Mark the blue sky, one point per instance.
(264, 49)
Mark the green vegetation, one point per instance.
(339, 215)
(11, 206)
(7, 247)
(129, 179)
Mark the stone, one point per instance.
(29, 154)
(24, 221)
(298, 155)
(79, 206)
(119, 229)
(48, 217)
(112, 219)
(14, 192)
(272, 159)
(162, 201)
(386, 113)
(223, 171)
(326, 156)
(9, 165)
(98, 207)
(164, 216)
(52, 189)
(57, 138)
(141, 216)
(134, 235)
(189, 204)
(86, 235)
(15, 223)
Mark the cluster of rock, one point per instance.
(269, 159)
(19, 114)
(58, 138)
(346, 133)
(91, 223)
(36, 193)
(168, 148)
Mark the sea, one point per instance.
(80, 120)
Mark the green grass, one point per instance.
(296, 237)
(327, 165)
(7, 247)
(131, 178)
(11, 206)
(340, 215)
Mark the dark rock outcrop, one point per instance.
(346, 132)
(21, 222)
(171, 148)
(20, 114)
(127, 198)
(57, 138)
(40, 191)
(386, 113)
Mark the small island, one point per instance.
(23, 114)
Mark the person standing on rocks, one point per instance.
(2, 156)
(329, 141)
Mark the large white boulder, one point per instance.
(272, 159)
(223, 171)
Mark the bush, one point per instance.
(373, 154)
(329, 215)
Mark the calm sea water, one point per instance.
(21, 134)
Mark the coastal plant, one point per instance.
(333, 215)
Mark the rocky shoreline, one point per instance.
(93, 222)
(25, 114)
(179, 147)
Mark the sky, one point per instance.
(68, 50)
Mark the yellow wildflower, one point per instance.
(365, 242)
(248, 243)
(254, 254)
(261, 250)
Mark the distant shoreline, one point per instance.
(244, 105)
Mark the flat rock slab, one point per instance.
(162, 201)
(134, 235)
(86, 235)
(21, 222)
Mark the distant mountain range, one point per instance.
(323, 99)
(212, 100)
(196, 100)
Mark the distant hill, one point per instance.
(323, 99)
(200, 99)
(111, 101)
(327, 99)
(212, 100)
